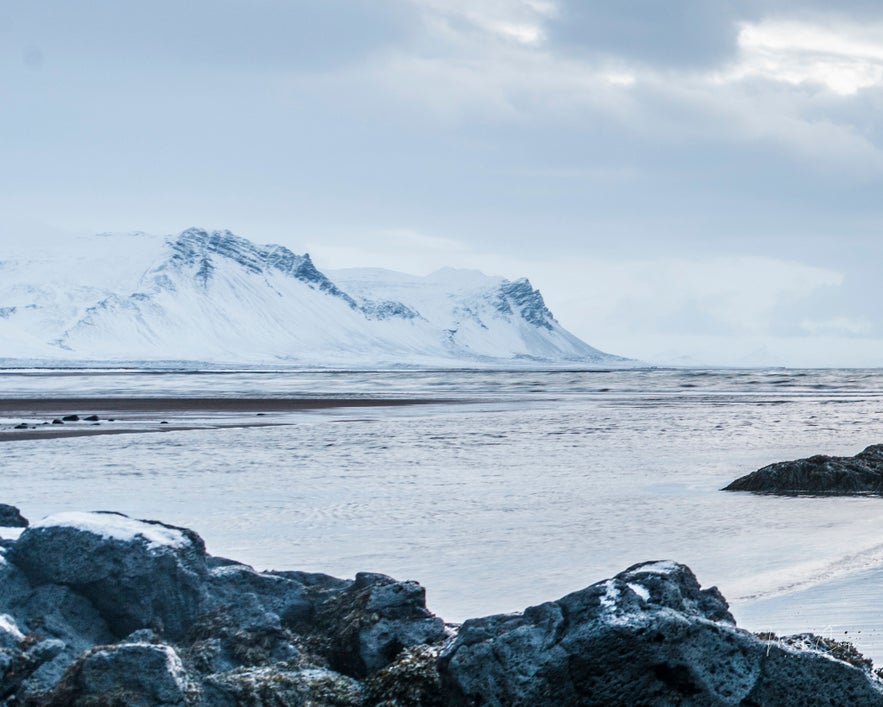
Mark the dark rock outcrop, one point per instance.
(648, 636)
(366, 625)
(11, 517)
(131, 674)
(819, 475)
(100, 609)
(136, 573)
(279, 686)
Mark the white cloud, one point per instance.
(844, 58)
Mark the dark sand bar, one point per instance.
(57, 406)
(163, 414)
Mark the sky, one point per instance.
(696, 181)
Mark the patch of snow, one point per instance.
(615, 615)
(661, 567)
(8, 626)
(117, 527)
(10, 533)
(230, 570)
(176, 667)
(611, 595)
(641, 591)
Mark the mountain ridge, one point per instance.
(218, 297)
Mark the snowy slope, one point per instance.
(213, 296)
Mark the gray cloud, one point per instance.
(684, 34)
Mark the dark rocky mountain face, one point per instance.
(195, 249)
(521, 297)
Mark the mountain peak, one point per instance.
(211, 295)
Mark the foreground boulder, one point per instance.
(820, 475)
(137, 574)
(648, 636)
(211, 632)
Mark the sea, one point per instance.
(506, 489)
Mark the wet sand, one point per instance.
(163, 414)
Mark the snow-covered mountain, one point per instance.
(212, 296)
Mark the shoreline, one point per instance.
(136, 415)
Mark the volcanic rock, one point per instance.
(100, 609)
(372, 620)
(11, 517)
(648, 636)
(820, 475)
(138, 574)
(279, 686)
(131, 674)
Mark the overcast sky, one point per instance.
(695, 178)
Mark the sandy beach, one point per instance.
(52, 418)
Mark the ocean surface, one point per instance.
(520, 487)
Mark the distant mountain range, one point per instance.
(211, 296)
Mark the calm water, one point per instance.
(533, 485)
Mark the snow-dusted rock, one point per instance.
(138, 574)
(651, 636)
(102, 609)
(10, 634)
